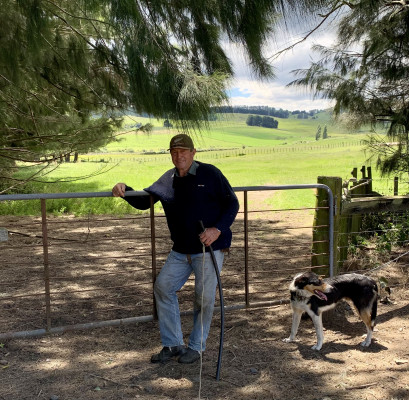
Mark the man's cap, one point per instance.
(181, 141)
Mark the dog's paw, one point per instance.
(316, 347)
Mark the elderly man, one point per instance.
(191, 192)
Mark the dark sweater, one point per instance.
(206, 196)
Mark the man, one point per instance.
(189, 193)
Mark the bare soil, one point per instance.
(114, 363)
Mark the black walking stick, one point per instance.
(219, 283)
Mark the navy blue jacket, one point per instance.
(206, 196)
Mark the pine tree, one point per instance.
(69, 69)
(318, 133)
(367, 73)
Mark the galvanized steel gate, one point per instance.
(63, 273)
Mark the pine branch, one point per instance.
(32, 178)
(31, 94)
(25, 181)
(102, 102)
(324, 18)
(76, 16)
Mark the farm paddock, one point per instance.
(113, 363)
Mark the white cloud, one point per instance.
(247, 90)
(252, 92)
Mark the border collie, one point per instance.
(313, 295)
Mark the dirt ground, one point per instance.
(114, 363)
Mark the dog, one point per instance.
(314, 296)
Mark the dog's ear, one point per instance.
(301, 281)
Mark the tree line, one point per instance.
(266, 110)
(259, 110)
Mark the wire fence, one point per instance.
(374, 240)
(67, 273)
(216, 153)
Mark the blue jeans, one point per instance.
(172, 277)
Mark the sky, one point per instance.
(246, 90)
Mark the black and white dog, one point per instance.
(313, 295)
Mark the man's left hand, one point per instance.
(209, 236)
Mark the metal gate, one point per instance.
(65, 273)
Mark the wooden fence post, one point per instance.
(369, 176)
(320, 250)
(396, 186)
(355, 221)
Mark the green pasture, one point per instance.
(229, 132)
(248, 156)
(279, 168)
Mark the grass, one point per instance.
(248, 156)
(231, 131)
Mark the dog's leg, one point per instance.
(295, 324)
(368, 338)
(317, 319)
(369, 320)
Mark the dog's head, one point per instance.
(309, 284)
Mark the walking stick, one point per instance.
(219, 283)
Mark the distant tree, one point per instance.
(325, 133)
(267, 122)
(318, 133)
(257, 120)
(250, 120)
(167, 124)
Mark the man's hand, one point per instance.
(119, 190)
(209, 236)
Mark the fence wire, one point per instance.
(64, 273)
(373, 239)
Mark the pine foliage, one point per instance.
(367, 75)
(70, 68)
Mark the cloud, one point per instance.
(247, 90)
(253, 92)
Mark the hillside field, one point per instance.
(248, 156)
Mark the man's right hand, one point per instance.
(119, 190)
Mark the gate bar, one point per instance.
(236, 189)
(125, 321)
(45, 196)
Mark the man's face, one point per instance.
(182, 159)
